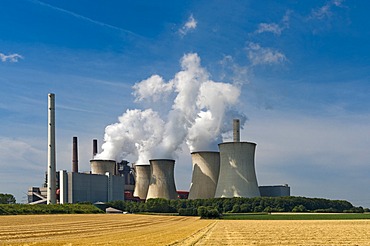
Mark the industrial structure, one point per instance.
(142, 181)
(227, 173)
(51, 187)
(206, 168)
(275, 190)
(237, 173)
(162, 179)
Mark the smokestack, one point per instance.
(236, 128)
(95, 147)
(51, 187)
(206, 168)
(162, 180)
(142, 180)
(75, 156)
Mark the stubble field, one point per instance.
(127, 229)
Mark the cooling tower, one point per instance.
(162, 180)
(142, 180)
(103, 166)
(237, 173)
(206, 168)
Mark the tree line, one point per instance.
(237, 205)
(15, 209)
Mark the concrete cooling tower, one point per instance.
(162, 180)
(206, 167)
(142, 180)
(103, 166)
(237, 173)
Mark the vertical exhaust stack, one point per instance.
(162, 180)
(142, 180)
(51, 186)
(95, 147)
(236, 130)
(206, 168)
(74, 155)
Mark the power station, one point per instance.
(229, 172)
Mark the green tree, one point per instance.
(7, 199)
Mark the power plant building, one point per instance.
(142, 181)
(162, 180)
(85, 187)
(224, 174)
(274, 190)
(237, 173)
(206, 168)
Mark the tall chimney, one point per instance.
(75, 156)
(236, 128)
(95, 147)
(51, 187)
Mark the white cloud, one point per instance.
(153, 89)
(272, 27)
(10, 58)
(325, 11)
(259, 55)
(19, 151)
(191, 24)
(275, 28)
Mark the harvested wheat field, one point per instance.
(126, 229)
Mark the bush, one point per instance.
(188, 211)
(208, 213)
(299, 208)
(159, 205)
(15, 209)
(355, 210)
(7, 199)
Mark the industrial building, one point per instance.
(162, 179)
(227, 173)
(275, 190)
(206, 169)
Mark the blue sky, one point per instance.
(302, 68)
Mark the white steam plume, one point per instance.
(197, 116)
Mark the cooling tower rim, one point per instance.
(161, 160)
(225, 143)
(142, 165)
(204, 151)
(101, 160)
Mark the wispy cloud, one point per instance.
(274, 27)
(269, 27)
(325, 11)
(260, 55)
(10, 58)
(102, 24)
(191, 24)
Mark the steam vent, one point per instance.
(162, 180)
(206, 167)
(142, 180)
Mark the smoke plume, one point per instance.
(201, 111)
